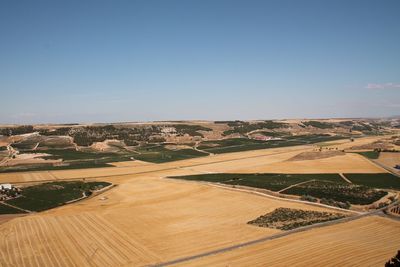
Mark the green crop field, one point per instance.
(270, 181)
(319, 124)
(159, 154)
(72, 154)
(377, 180)
(329, 187)
(369, 154)
(342, 192)
(4, 209)
(244, 144)
(50, 195)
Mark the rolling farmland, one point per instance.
(147, 219)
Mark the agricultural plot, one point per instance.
(330, 188)
(369, 154)
(5, 209)
(319, 124)
(50, 195)
(288, 219)
(47, 167)
(377, 180)
(244, 144)
(347, 163)
(184, 218)
(159, 154)
(341, 192)
(269, 181)
(72, 154)
(243, 127)
(369, 241)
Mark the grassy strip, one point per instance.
(50, 195)
(377, 180)
(288, 219)
(4, 209)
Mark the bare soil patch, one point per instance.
(316, 155)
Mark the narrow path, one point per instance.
(195, 147)
(345, 178)
(15, 207)
(293, 185)
(36, 146)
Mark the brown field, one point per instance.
(147, 219)
(143, 220)
(389, 160)
(348, 163)
(370, 241)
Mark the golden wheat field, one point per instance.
(143, 220)
(369, 241)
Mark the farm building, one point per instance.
(5, 186)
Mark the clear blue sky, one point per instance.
(104, 61)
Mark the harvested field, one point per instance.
(349, 163)
(369, 241)
(316, 155)
(389, 160)
(84, 234)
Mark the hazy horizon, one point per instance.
(104, 61)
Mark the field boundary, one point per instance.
(345, 178)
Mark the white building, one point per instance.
(168, 130)
(6, 186)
